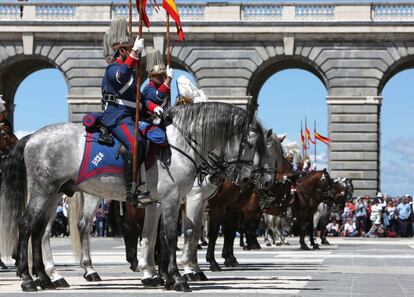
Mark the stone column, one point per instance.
(354, 127)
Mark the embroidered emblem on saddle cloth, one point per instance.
(99, 159)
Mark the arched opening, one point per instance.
(397, 138)
(35, 93)
(40, 100)
(289, 97)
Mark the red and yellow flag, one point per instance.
(321, 138)
(172, 10)
(308, 137)
(302, 138)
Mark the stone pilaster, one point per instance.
(355, 132)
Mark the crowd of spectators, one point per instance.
(381, 216)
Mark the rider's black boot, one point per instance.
(138, 196)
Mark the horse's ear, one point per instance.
(282, 137)
(269, 133)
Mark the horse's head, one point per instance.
(7, 138)
(272, 160)
(325, 187)
(250, 151)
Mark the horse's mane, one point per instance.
(212, 124)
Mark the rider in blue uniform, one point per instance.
(119, 97)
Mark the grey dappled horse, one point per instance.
(47, 163)
(82, 209)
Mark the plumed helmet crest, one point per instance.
(116, 37)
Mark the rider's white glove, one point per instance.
(159, 111)
(138, 45)
(170, 72)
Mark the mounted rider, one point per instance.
(119, 99)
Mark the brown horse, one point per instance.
(343, 190)
(311, 189)
(242, 205)
(222, 214)
(276, 203)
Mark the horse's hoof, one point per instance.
(44, 284)
(215, 267)
(204, 243)
(61, 283)
(134, 267)
(93, 277)
(304, 247)
(169, 286)
(182, 287)
(268, 244)
(3, 266)
(200, 276)
(153, 281)
(190, 276)
(246, 248)
(316, 247)
(199, 247)
(234, 263)
(228, 263)
(325, 242)
(257, 247)
(287, 243)
(278, 244)
(29, 286)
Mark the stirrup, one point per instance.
(140, 198)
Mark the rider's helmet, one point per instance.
(157, 69)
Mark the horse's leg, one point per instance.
(242, 236)
(229, 232)
(57, 279)
(47, 215)
(195, 206)
(133, 221)
(303, 229)
(33, 223)
(2, 265)
(91, 204)
(82, 208)
(146, 262)
(277, 231)
(311, 235)
(213, 231)
(323, 223)
(170, 214)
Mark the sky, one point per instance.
(285, 100)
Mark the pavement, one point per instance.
(349, 267)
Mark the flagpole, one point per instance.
(301, 140)
(138, 100)
(168, 57)
(130, 18)
(314, 130)
(306, 137)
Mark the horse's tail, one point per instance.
(75, 214)
(12, 197)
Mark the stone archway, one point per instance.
(14, 70)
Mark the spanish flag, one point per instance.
(308, 137)
(302, 138)
(172, 10)
(321, 138)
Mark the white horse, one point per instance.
(277, 225)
